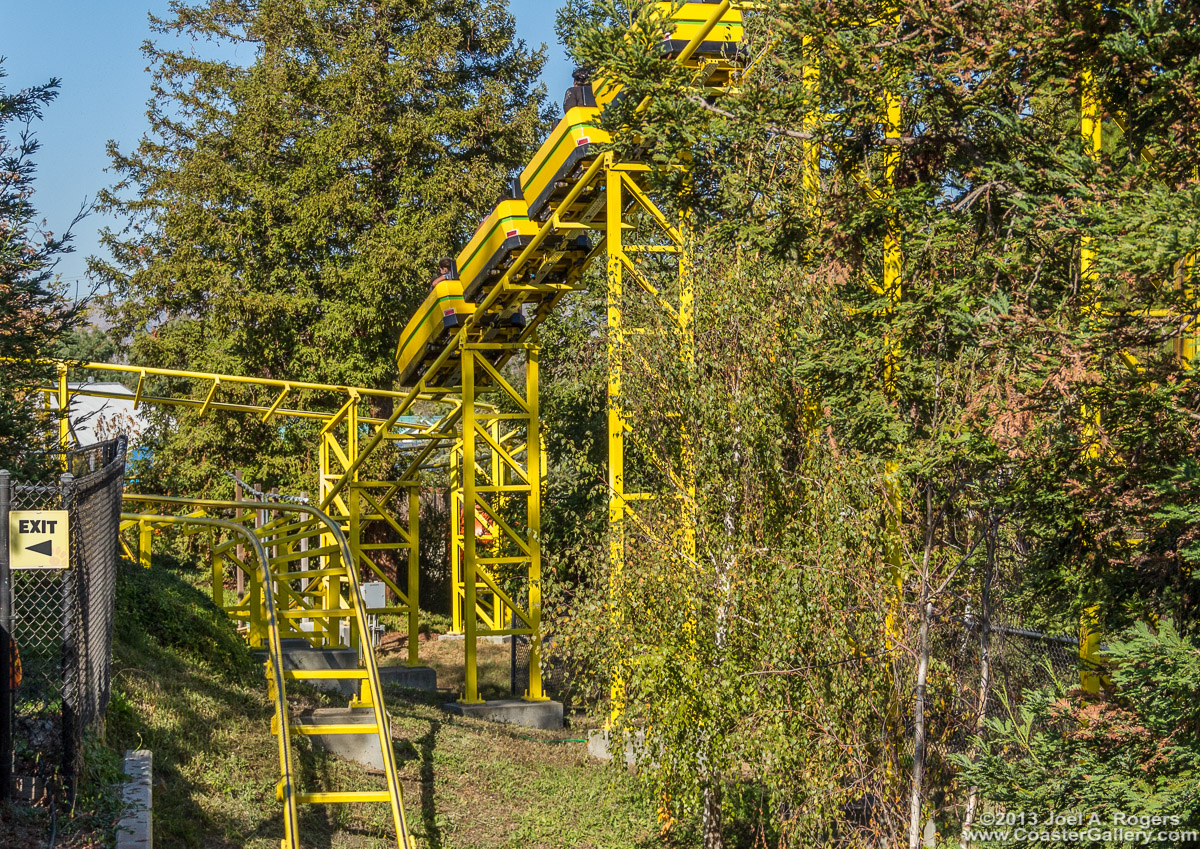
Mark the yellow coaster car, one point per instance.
(495, 245)
(566, 154)
(501, 238)
(721, 51)
(725, 41)
(430, 328)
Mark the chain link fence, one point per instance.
(982, 664)
(518, 646)
(62, 619)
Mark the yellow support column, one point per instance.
(687, 353)
(64, 410)
(457, 594)
(616, 420)
(893, 281)
(218, 578)
(145, 538)
(1091, 127)
(255, 601)
(337, 589)
(414, 574)
(1185, 346)
(533, 465)
(811, 184)
(470, 619)
(811, 147)
(501, 613)
(327, 629)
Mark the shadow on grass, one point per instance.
(186, 687)
(428, 742)
(420, 750)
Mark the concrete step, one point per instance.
(360, 745)
(547, 715)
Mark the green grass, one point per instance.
(186, 687)
(469, 783)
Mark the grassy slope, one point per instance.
(186, 687)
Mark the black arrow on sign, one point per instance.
(46, 548)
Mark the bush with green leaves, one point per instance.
(1131, 753)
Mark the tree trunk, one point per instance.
(918, 776)
(712, 838)
(723, 563)
(985, 662)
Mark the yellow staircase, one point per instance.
(300, 556)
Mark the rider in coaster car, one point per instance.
(579, 94)
(446, 271)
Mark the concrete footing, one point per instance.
(135, 830)
(490, 638)
(363, 748)
(547, 715)
(299, 654)
(600, 747)
(412, 677)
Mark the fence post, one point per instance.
(6, 694)
(71, 672)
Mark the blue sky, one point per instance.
(94, 47)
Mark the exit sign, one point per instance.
(39, 539)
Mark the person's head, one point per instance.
(581, 75)
(445, 264)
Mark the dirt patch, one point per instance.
(447, 657)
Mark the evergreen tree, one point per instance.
(89, 343)
(284, 213)
(34, 312)
(1130, 758)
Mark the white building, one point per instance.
(105, 412)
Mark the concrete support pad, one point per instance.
(412, 677)
(135, 830)
(494, 639)
(600, 747)
(547, 715)
(363, 748)
(299, 654)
